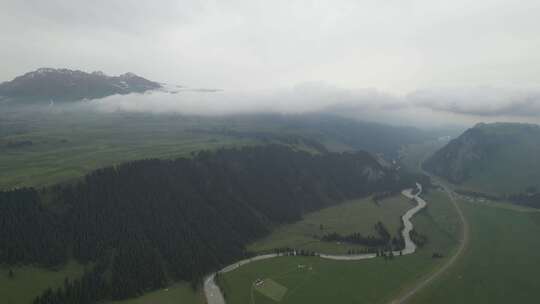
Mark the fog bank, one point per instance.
(423, 108)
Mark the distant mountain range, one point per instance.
(64, 85)
(498, 158)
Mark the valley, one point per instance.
(41, 150)
(444, 259)
(365, 281)
(81, 228)
(269, 152)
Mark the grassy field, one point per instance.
(500, 264)
(354, 216)
(29, 282)
(64, 147)
(44, 148)
(315, 280)
(174, 294)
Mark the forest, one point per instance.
(145, 223)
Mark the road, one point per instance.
(214, 295)
(406, 296)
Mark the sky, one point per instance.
(460, 58)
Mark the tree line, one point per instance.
(382, 241)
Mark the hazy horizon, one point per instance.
(411, 62)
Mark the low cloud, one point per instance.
(480, 101)
(423, 108)
(306, 97)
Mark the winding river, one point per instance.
(213, 293)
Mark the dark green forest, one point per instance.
(144, 223)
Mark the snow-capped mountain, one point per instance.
(61, 85)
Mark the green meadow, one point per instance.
(63, 150)
(174, 294)
(346, 218)
(29, 282)
(501, 261)
(316, 280)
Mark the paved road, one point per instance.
(406, 296)
(213, 293)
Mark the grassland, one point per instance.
(29, 282)
(43, 146)
(343, 219)
(367, 281)
(64, 147)
(500, 264)
(174, 294)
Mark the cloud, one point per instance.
(130, 16)
(395, 46)
(312, 97)
(423, 108)
(305, 97)
(480, 101)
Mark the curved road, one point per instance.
(462, 245)
(214, 295)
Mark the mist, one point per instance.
(394, 46)
(426, 108)
(420, 62)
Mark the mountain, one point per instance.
(497, 158)
(60, 85)
(142, 222)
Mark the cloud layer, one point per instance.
(395, 46)
(481, 101)
(477, 60)
(460, 106)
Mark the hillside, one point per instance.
(499, 158)
(336, 133)
(59, 85)
(146, 222)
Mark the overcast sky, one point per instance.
(436, 54)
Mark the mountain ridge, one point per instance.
(497, 158)
(66, 85)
